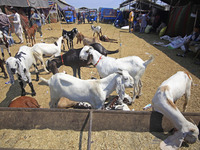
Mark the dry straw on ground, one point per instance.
(166, 64)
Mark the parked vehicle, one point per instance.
(92, 15)
(107, 15)
(70, 16)
(119, 19)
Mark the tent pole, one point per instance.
(62, 15)
(196, 18)
(49, 12)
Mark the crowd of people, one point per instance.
(138, 22)
(7, 20)
(142, 22)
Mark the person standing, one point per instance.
(143, 19)
(5, 25)
(35, 18)
(131, 18)
(17, 25)
(43, 18)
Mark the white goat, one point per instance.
(107, 65)
(41, 49)
(96, 29)
(91, 91)
(20, 65)
(163, 102)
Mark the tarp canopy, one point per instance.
(25, 3)
(181, 3)
(180, 21)
(143, 4)
(62, 4)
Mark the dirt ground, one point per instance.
(166, 64)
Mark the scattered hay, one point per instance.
(69, 139)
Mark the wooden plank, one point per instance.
(78, 120)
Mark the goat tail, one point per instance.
(45, 80)
(112, 52)
(151, 59)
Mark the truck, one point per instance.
(107, 15)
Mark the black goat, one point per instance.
(71, 58)
(69, 36)
(102, 50)
(3, 69)
(4, 44)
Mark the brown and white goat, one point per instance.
(96, 29)
(86, 40)
(105, 38)
(30, 33)
(164, 102)
(24, 102)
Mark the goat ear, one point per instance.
(120, 89)
(173, 142)
(56, 43)
(90, 58)
(88, 50)
(21, 70)
(10, 74)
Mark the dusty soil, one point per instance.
(74, 140)
(166, 64)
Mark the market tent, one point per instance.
(180, 21)
(25, 3)
(62, 3)
(180, 3)
(183, 17)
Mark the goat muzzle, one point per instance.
(13, 70)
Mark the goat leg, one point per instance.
(3, 56)
(79, 72)
(32, 89)
(3, 69)
(74, 72)
(68, 44)
(37, 73)
(23, 93)
(72, 44)
(140, 89)
(8, 49)
(37, 76)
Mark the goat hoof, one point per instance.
(137, 96)
(23, 94)
(37, 79)
(33, 94)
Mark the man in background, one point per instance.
(131, 18)
(35, 18)
(17, 25)
(5, 25)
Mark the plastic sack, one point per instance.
(162, 31)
